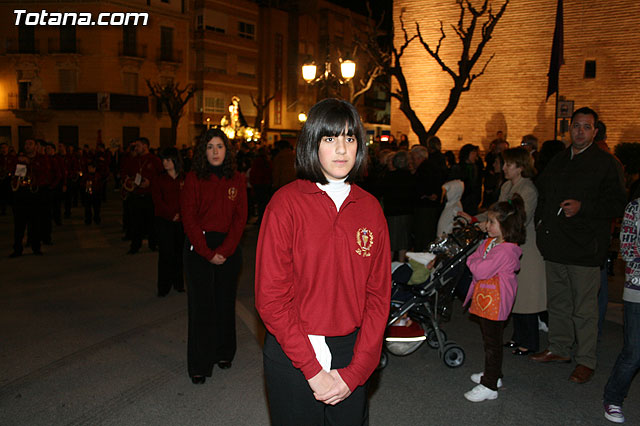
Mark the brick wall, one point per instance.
(510, 96)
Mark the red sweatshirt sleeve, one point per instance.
(238, 218)
(189, 213)
(366, 353)
(274, 288)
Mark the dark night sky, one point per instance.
(378, 8)
(360, 6)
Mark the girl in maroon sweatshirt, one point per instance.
(323, 277)
(165, 190)
(213, 206)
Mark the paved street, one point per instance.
(85, 341)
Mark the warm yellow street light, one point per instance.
(302, 117)
(347, 69)
(309, 71)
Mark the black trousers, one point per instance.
(424, 224)
(92, 204)
(72, 191)
(170, 246)
(291, 400)
(492, 338)
(211, 293)
(5, 194)
(142, 219)
(27, 208)
(525, 331)
(126, 217)
(56, 204)
(46, 195)
(262, 195)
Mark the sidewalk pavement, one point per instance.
(85, 341)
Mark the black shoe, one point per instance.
(198, 380)
(162, 293)
(510, 344)
(47, 243)
(153, 248)
(15, 254)
(132, 251)
(224, 364)
(37, 252)
(521, 352)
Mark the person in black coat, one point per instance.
(398, 199)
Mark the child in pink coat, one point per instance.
(493, 289)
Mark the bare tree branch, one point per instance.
(434, 54)
(173, 98)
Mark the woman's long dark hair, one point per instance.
(201, 165)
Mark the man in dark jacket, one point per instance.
(429, 175)
(580, 192)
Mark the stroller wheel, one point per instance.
(432, 338)
(384, 360)
(453, 355)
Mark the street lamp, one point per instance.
(347, 69)
(302, 117)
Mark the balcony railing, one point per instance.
(27, 103)
(13, 47)
(55, 46)
(132, 50)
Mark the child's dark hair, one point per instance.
(329, 117)
(511, 217)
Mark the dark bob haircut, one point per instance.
(329, 117)
(174, 155)
(200, 164)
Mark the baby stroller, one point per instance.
(417, 310)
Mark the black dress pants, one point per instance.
(170, 246)
(26, 215)
(211, 293)
(291, 400)
(5, 194)
(142, 219)
(46, 197)
(525, 331)
(92, 204)
(56, 205)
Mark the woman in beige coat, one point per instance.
(531, 297)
